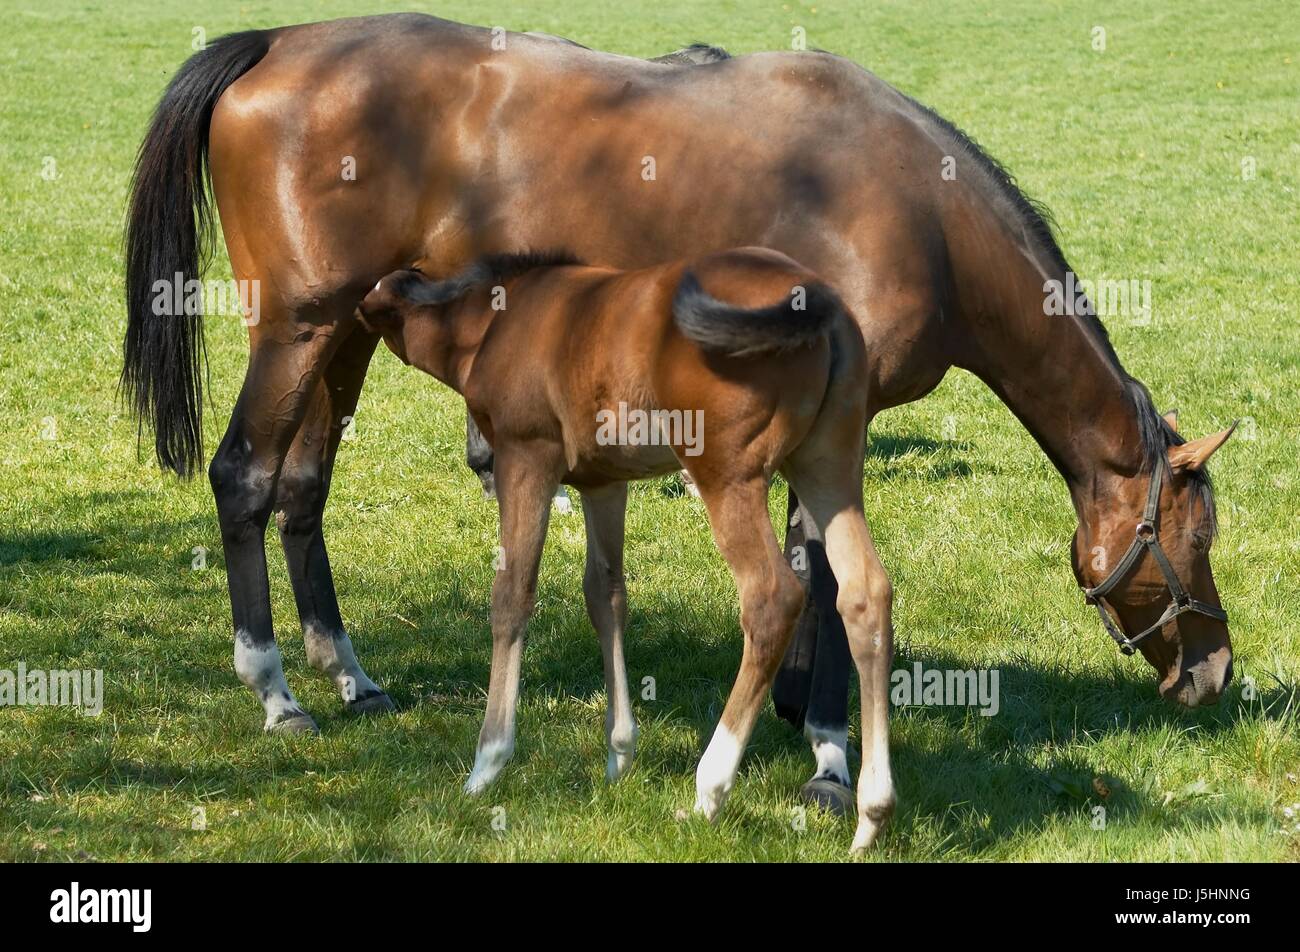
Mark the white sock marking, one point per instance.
(830, 747)
(261, 670)
(717, 772)
(488, 762)
(332, 655)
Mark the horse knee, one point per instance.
(602, 580)
(299, 501)
(865, 608)
(243, 495)
(512, 605)
(769, 614)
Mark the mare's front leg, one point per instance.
(526, 478)
(770, 601)
(811, 690)
(603, 585)
(479, 458)
(299, 506)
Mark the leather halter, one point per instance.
(1147, 538)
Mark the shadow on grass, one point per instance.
(122, 538)
(968, 774)
(942, 459)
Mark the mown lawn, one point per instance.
(1139, 149)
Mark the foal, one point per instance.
(734, 366)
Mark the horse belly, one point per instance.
(619, 448)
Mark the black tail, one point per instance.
(168, 221)
(798, 321)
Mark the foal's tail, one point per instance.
(799, 320)
(169, 218)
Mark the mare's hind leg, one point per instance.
(770, 600)
(277, 388)
(606, 594)
(299, 505)
(525, 482)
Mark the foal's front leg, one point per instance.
(606, 594)
(525, 482)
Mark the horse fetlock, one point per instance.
(622, 751)
(875, 808)
(716, 773)
(710, 801)
(259, 667)
(830, 746)
(331, 654)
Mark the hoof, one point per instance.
(377, 703)
(868, 833)
(830, 795)
(617, 765)
(294, 724)
(708, 804)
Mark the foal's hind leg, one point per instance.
(277, 389)
(811, 690)
(770, 600)
(865, 603)
(603, 585)
(525, 482)
(299, 505)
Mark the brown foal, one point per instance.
(734, 366)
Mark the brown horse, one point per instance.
(734, 366)
(342, 151)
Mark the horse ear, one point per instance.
(1171, 417)
(1195, 454)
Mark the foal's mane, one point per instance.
(1038, 223)
(491, 269)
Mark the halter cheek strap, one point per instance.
(1147, 539)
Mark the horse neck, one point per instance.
(1056, 374)
(465, 323)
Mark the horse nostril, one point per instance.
(1227, 677)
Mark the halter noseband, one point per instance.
(1147, 537)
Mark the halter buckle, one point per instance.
(1145, 532)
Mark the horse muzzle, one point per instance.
(1203, 683)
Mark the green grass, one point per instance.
(1138, 149)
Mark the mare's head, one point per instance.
(1192, 652)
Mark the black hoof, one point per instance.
(299, 723)
(830, 795)
(376, 702)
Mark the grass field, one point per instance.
(1143, 149)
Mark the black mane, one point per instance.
(491, 269)
(1032, 215)
(697, 54)
(1155, 434)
